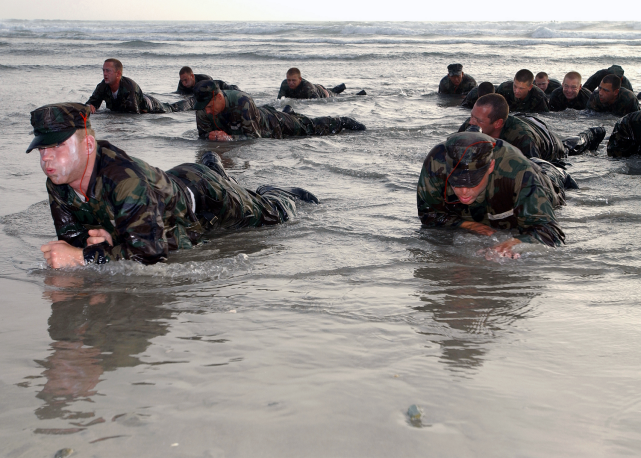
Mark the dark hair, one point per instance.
(541, 75)
(524, 76)
(500, 108)
(116, 62)
(293, 71)
(486, 88)
(614, 80)
(184, 70)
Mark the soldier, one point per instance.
(233, 115)
(522, 95)
(479, 91)
(484, 185)
(626, 136)
(570, 95)
(295, 87)
(108, 206)
(529, 134)
(593, 81)
(122, 94)
(188, 80)
(456, 82)
(610, 97)
(545, 83)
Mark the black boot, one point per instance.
(598, 134)
(338, 89)
(361, 92)
(300, 193)
(211, 160)
(288, 109)
(351, 124)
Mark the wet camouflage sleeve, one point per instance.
(130, 98)
(518, 198)
(625, 103)
(626, 136)
(283, 90)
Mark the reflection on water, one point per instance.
(93, 331)
(472, 307)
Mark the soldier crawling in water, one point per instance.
(123, 95)
(456, 81)
(108, 206)
(233, 115)
(188, 80)
(296, 87)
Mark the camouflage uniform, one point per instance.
(519, 197)
(559, 102)
(626, 136)
(201, 77)
(305, 90)
(149, 212)
(593, 82)
(447, 87)
(625, 103)
(241, 119)
(552, 85)
(472, 97)
(130, 99)
(531, 136)
(534, 102)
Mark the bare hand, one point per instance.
(92, 108)
(60, 254)
(502, 250)
(219, 136)
(477, 227)
(97, 236)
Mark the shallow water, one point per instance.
(314, 338)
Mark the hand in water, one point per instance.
(219, 136)
(97, 236)
(60, 254)
(502, 250)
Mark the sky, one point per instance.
(321, 10)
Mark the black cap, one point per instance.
(204, 92)
(55, 123)
(455, 69)
(468, 156)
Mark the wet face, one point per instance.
(607, 96)
(480, 116)
(521, 90)
(109, 73)
(64, 163)
(216, 105)
(188, 80)
(571, 88)
(293, 81)
(456, 79)
(542, 83)
(469, 195)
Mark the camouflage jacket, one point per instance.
(552, 85)
(534, 102)
(519, 197)
(559, 102)
(472, 97)
(531, 136)
(447, 87)
(149, 212)
(129, 99)
(242, 119)
(626, 136)
(201, 77)
(593, 82)
(625, 103)
(305, 90)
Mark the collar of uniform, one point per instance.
(91, 188)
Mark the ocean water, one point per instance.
(314, 338)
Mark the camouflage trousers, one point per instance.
(298, 125)
(156, 106)
(219, 202)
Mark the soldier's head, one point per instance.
(542, 80)
(490, 113)
(522, 83)
(112, 71)
(469, 161)
(209, 97)
(455, 73)
(293, 78)
(616, 70)
(65, 140)
(485, 88)
(187, 77)
(571, 85)
(609, 89)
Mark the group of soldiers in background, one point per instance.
(501, 171)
